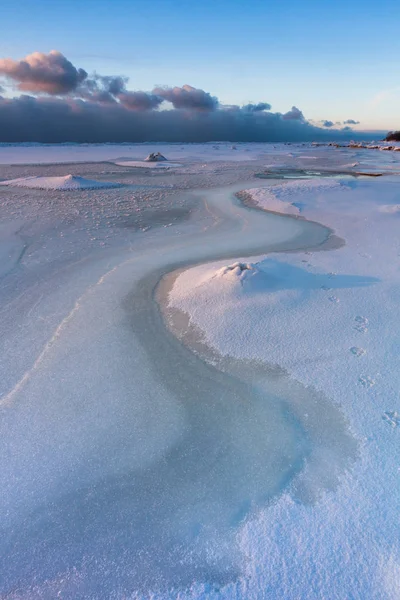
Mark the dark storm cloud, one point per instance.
(351, 122)
(102, 88)
(327, 123)
(99, 108)
(257, 107)
(294, 114)
(187, 97)
(50, 73)
(48, 119)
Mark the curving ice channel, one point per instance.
(127, 462)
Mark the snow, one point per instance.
(130, 467)
(144, 164)
(330, 319)
(286, 198)
(155, 157)
(68, 182)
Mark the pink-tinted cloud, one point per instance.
(50, 73)
(187, 97)
(139, 100)
(100, 108)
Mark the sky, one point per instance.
(333, 60)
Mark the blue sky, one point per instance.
(334, 60)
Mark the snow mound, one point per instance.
(286, 198)
(247, 274)
(68, 182)
(155, 157)
(232, 283)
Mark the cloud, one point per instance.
(140, 100)
(102, 88)
(294, 114)
(68, 105)
(351, 122)
(257, 107)
(48, 119)
(327, 123)
(50, 73)
(187, 97)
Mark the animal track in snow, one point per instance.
(357, 351)
(362, 323)
(361, 328)
(362, 320)
(334, 299)
(366, 381)
(392, 418)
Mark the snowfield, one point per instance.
(330, 319)
(69, 182)
(199, 382)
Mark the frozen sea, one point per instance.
(199, 381)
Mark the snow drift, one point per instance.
(68, 182)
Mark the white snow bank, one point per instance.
(390, 208)
(286, 198)
(330, 319)
(68, 182)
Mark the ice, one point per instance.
(144, 164)
(235, 453)
(284, 313)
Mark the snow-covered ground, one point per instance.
(68, 182)
(330, 319)
(132, 468)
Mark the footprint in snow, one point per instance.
(334, 299)
(362, 320)
(366, 381)
(362, 323)
(392, 418)
(358, 351)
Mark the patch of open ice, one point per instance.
(68, 182)
(288, 321)
(144, 164)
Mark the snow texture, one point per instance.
(69, 182)
(130, 468)
(330, 319)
